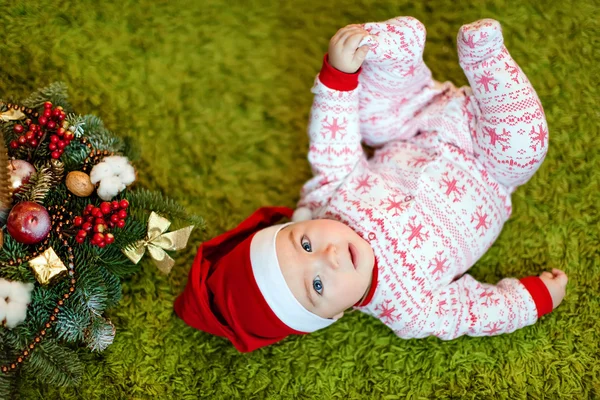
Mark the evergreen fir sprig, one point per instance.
(147, 201)
(56, 93)
(99, 137)
(100, 334)
(38, 186)
(57, 364)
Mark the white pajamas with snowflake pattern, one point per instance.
(436, 193)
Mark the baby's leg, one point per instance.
(510, 134)
(395, 81)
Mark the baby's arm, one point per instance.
(468, 307)
(334, 133)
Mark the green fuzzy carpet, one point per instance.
(217, 95)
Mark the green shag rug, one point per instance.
(217, 95)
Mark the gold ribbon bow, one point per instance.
(158, 241)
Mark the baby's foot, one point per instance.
(479, 40)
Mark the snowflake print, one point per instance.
(415, 233)
(539, 137)
(481, 218)
(486, 79)
(381, 155)
(493, 328)
(470, 40)
(452, 187)
(386, 312)
(489, 300)
(442, 308)
(439, 265)
(502, 138)
(411, 71)
(392, 204)
(363, 183)
(334, 127)
(418, 161)
(513, 70)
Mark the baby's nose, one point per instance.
(331, 252)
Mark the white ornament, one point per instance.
(14, 299)
(114, 173)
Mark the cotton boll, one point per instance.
(5, 288)
(110, 187)
(3, 308)
(21, 292)
(117, 163)
(15, 314)
(100, 171)
(127, 175)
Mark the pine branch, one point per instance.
(8, 386)
(56, 93)
(145, 200)
(52, 364)
(72, 321)
(100, 334)
(99, 137)
(37, 187)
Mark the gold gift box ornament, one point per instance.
(47, 267)
(157, 241)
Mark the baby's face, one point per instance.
(326, 265)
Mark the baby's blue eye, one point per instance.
(305, 243)
(318, 285)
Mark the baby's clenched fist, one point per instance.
(556, 282)
(344, 53)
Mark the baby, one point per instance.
(392, 235)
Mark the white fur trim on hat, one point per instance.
(302, 214)
(272, 285)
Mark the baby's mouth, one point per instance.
(353, 254)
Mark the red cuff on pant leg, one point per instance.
(336, 79)
(541, 296)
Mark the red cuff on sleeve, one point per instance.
(539, 292)
(336, 79)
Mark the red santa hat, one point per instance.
(236, 288)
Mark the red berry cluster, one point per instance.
(96, 220)
(51, 119)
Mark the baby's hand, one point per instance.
(556, 282)
(344, 54)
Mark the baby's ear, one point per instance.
(338, 316)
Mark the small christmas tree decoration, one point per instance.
(47, 267)
(79, 184)
(157, 241)
(28, 222)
